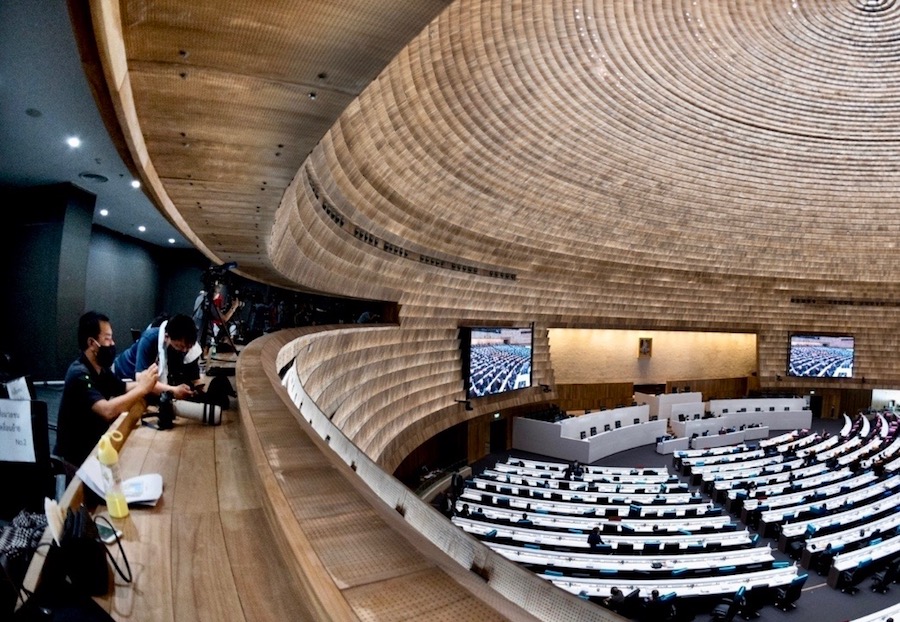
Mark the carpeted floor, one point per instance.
(819, 602)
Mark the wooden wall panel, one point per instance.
(594, 396)
(715, 389)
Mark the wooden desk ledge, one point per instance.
(204, 552)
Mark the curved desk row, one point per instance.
(546, 438)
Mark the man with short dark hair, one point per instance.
(169, 346)
(93, 397)
(594, 539)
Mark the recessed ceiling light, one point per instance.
(142, 228)
(135, 183)
(73, 141)
(171, 240)
(93, 177)
(104, 212)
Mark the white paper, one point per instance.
(16, 437)
(143, 489)
(18, 389)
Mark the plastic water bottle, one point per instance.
(109, 465)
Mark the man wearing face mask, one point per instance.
(173, 347)
(93, 397)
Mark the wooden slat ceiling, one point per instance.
(230, 98)
(752, 137)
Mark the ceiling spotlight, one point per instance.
(94, 178)
(73, 141)
(171, 240)
(135, 183)
(104, 212)
(312, 95)
(142, 228)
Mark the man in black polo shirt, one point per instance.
(93, 397)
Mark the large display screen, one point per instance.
(821, 356)
(496, 359)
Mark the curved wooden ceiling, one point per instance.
(754, 138)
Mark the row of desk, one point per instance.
(552, 439)
(578, 541)
(548, 516)
(717, 584)
(711, 441)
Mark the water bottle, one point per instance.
(109, 465)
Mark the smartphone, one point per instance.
(107, 535)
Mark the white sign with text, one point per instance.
(16, 438)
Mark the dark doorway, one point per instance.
(815, 405)
(498, 436)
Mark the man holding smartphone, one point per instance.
(93, 397)
(173, 347)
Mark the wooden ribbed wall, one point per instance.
(665, 165)
(389, 389)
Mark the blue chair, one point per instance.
(756, 598)
(849, 579)
(728, 607)
(786, 597)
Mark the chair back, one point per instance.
(24, 456)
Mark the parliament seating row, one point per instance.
(819, 551)
(891, 612)
(672, 484)
(555, 470)
(531, 536)
(553, 518)
(580, 507)
(693, 586)
(787, 494)
(814, 513)
(600, 497)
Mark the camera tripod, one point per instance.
(212, 316)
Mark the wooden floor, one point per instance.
(204, 552)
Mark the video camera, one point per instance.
(216, 274)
